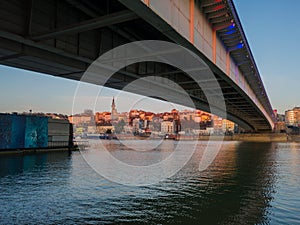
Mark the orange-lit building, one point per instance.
(217, 124)
(292, 117)
(80, 119)
(102, 117)
(227, 126)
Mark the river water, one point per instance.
(248, 183)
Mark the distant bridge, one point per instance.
(63, 37)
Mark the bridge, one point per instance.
(63, 37)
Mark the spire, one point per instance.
(113, 104)
(113, 110)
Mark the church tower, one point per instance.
(114, 113)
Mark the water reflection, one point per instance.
(286, 208)
(248, 183)
(13, 165)
(236, 189)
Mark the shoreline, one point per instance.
(270, 137)
(31, 151)
(255, 137)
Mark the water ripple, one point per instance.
(248, 183)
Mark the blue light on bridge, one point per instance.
(230, 32)
(230, 29)
(240, 45)
(231, 26)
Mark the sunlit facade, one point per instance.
(167, 127)
(292, 117)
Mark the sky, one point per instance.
(271, 28)
(23, 90)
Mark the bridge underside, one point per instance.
(62, 38)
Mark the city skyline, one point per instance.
(274, 44)
(138, 122)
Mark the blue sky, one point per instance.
(272, 30)
(23, 90)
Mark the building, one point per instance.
(102, 118)
(227, 126)
(28, 131)
(60, 132)
(91, 129)
(197, 117)
(114, 112)
(105, 129)
(280, 127)
(187, 115)
(80, 119)
(217, 124)
(123, 116)
(292, 117)
(280, 118)
(139, 119)
(135, 125)
(167, 127)
(105, 120)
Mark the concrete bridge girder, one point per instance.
(64, 43)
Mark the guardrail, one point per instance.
(52, 144)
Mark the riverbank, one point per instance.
(293, 138)
(36, 151)
(267, 137)
(263, 137)
(257, 137)
(253, 137)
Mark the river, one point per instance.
(247, 183)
